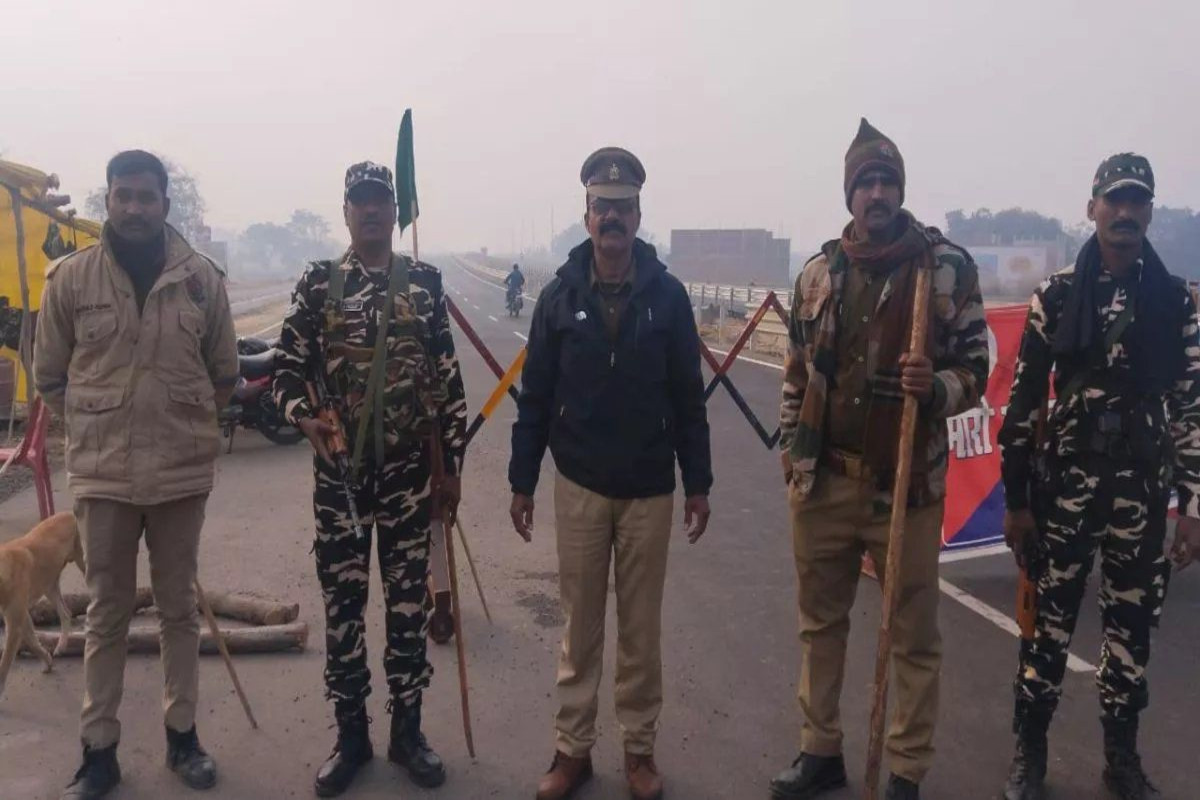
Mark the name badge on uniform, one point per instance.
(352, 305)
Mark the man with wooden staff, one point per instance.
(135, 350)
(1120, 334)
(373, 327)
(844, 385)
(612, 384)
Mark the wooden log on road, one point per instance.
(252, 610)
(243, 608)
(44, 612)
(261, 639)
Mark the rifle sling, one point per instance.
(397, 283)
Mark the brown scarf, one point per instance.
(899, 260)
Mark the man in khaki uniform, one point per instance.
(612, 384)
(135, 349)
(845, 381)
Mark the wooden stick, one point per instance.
(891, 583)
(471, 563)
(216, 632)
(459, 646)
(144, 639)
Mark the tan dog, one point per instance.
(29, 569)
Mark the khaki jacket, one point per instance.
(136, 390)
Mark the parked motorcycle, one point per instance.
(251, 405)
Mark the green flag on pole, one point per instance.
(406, 176)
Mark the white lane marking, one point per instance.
(1002, 620)
(521, 336)
(965, 554)
(474, 306)
(270, 327)
(493, 319)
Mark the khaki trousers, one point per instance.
(110, 532)
(830, 529)
(634, 534)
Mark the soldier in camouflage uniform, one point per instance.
(845, 381)
(338, 308)
(1120, 334)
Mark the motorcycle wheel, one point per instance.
(272, 425)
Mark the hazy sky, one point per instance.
(740, 110)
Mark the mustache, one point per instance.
(612, 225)
(1125, 225)
(879, 206)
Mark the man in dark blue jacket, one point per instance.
(612, 384)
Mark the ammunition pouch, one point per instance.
(1137, 435)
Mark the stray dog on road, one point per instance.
(29, 569)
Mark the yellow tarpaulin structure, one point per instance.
(30, 213)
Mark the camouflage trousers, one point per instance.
(395, 501)
(1118, 508)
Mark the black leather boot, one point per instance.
(409, 748)
(901, 789)
(352, 751)
(1123, 774)
(187, 759)
(98, 776)
(808, 777)
(1027, 775)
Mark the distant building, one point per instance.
(731, 257)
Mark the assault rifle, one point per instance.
(1032, 555)
(335, 441)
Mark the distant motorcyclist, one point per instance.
(515, 281)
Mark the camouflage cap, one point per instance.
(613, 173)
(1121, 170)
(368, 172)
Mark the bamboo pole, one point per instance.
(455, 605)
(460, 648)
(474, 573)
(891, 583)
(206, 609)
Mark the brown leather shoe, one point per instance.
(565, 776)
(644, 780)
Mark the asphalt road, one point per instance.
(730, 719)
